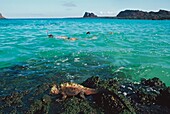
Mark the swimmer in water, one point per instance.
(61, 37)
(73, 39)
(88, 32)
(111, 32)
(66, 38)
(49, 35)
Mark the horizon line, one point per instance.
(98, 16)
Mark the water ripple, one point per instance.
(112, 44)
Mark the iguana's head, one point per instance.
(54, 89)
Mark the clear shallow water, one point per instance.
(131, 49)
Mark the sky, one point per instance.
(75, 8)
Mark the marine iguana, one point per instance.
(72, 89)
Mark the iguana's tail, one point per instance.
(90, 91)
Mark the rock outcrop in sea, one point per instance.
(89, 15)
(137, 14)
(1, 17)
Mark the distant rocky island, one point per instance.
(1, 17)
(89, 15)
(136, 14)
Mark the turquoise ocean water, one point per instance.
(129, 49)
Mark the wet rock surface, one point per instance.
(146, 97)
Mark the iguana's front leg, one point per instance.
(82, 95)
(64, 96)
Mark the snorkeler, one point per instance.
(61, 37)
(73, 39)
(66, 38)
(88, 32)
(49, 35)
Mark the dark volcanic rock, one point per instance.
(154, 82)
(89, 15)
(150, 96)
(74, 105)
(1, 17)
(112, 103)
(164, 97)
(136, 14)
(91, 82)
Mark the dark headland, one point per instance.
(135, 14)
(1, 17)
